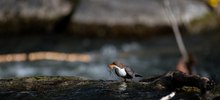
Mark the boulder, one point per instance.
(102, 18)
(140, 17)
(63, 87)
(31, 15)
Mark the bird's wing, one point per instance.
(116, 72)
(129, 71)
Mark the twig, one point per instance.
(174, 24)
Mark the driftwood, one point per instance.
(176, 79)
(60, 87)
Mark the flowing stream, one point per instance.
(150, 56)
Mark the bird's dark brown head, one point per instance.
(116, 63)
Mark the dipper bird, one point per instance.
(123, 71)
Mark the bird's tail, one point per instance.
(137, 75)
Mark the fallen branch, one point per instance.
(176, 79)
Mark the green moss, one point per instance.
(61, 87)
(206, 18)
(190, 89)
(38, 82)
(206, 22)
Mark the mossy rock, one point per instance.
(69, 87)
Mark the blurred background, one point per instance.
(80, 37)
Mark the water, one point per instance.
(147, 56)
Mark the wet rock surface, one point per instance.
(61, 87)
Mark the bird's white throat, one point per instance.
(121, 71)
